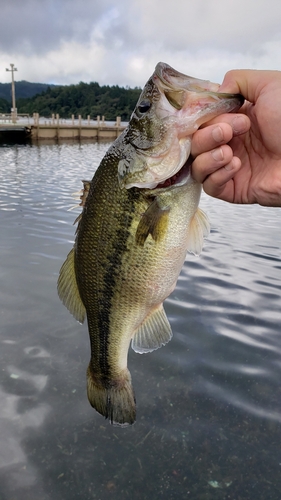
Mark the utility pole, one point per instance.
(14, 109)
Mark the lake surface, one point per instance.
(208, 403)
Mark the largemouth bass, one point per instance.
(139, 219)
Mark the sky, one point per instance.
(119, 42)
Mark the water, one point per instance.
(209, 403)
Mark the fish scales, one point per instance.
(139, 219)
(99, 250)
(112, 275)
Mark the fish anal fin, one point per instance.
(154, 332)
(154, 221)
(199, 229)
(68, 289)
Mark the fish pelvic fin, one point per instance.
(199, 229)
(154, 221)
(114, 400)
(154, 332)
(68, 289)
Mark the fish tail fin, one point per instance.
(115, 401)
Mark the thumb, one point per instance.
(248, 82)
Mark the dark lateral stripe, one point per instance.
(100, 246)
(111, 276)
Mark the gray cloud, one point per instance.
(66, 41)
(34, 26)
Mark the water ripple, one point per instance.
(201, 399)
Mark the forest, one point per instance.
(82, 99)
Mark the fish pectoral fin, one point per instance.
(68, 289)
(154, 221)
(154, 332)
(199, 229)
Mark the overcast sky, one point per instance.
(121, 41)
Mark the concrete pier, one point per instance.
(41, 132)
(58, 129)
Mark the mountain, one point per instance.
(81, 99)
(23, 89)
(5, 107)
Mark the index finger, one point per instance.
(218, 131)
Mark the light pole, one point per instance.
(14, 109)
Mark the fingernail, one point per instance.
(217, 134)
(239, 125)
(235, 164)
(229, 166)
(217, 154)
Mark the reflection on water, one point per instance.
(209, 411)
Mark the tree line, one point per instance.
(82, 99)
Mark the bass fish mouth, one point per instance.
(178, 179)
(170, 109)
(175, 84)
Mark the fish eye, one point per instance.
(144, 106)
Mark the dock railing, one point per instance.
(56, 127)
(75, 128)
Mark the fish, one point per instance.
(140, 216)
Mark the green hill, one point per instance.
(82, 99)
(23, 89)
(5, 107)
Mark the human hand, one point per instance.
(238, 156)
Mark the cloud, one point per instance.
(235, 25)
(32, 26)
(65, 41)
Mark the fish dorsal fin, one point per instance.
(85, 192)
(199, 229)
(154, 332)
(154, 221)
(81, 195)
(68, 290)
